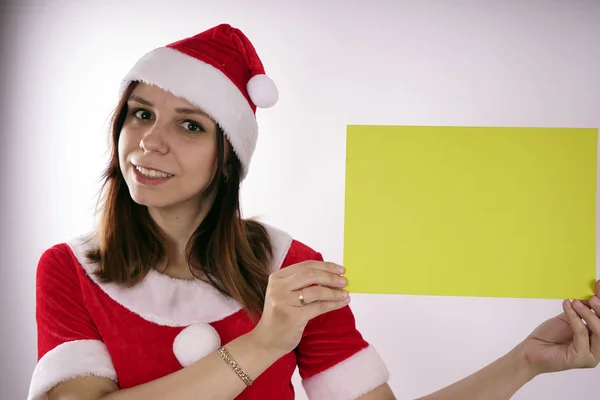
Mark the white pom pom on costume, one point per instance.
(262, 91)
(195, 342)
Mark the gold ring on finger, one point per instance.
(301, 298)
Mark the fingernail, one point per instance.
(595, 301)
(341, 269)
(577, 304)
(343, 281)
(345, 294)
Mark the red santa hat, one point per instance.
(219, 71)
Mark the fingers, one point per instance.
(321, 300)
(314, 276)
(313, 310)
(310, 273)
(305, 274)
(581, 337)
(315, 294)
(311, 265)
(594, 304)
(320, 283)
(592, 321)
(586, 302)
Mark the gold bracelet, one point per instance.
(229, 360)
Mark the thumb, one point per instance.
(597, 289)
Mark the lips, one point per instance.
(149, 172)
(146, 176)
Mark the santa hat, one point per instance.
(219, 71)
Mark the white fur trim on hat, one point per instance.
(67, 361)
(207, 88)
(351, 378)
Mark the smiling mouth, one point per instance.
(152, 173)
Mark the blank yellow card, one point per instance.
(471, 211)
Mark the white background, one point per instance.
(495, 63)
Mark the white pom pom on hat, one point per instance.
(262, 91)
(219, 71)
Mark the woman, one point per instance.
(175, 296)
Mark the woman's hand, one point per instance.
(565, 342)
(320, 286)
(561, 343)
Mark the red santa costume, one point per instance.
(139, 334)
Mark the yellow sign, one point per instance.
(471, 211)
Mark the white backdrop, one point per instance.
(495, 63)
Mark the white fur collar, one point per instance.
(176, 302)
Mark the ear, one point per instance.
(227, 159)
(226, 154)
(226, 172)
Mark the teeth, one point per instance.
(150, 173)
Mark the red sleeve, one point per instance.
(334, 360)
(60, 312)
(69, 344)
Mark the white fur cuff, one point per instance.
(349, 379)
(70, 360)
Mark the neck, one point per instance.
(177, 226)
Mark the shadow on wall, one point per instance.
(11, 379)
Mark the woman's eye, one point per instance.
(142, 114)
(193, 126)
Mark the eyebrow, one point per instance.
(179, 110)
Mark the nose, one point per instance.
(153, 141)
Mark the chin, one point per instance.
(149, 197)
(159, 200)
(150, 201)
(161, 196)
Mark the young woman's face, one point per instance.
(167, 149)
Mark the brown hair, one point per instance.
(230, 253)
